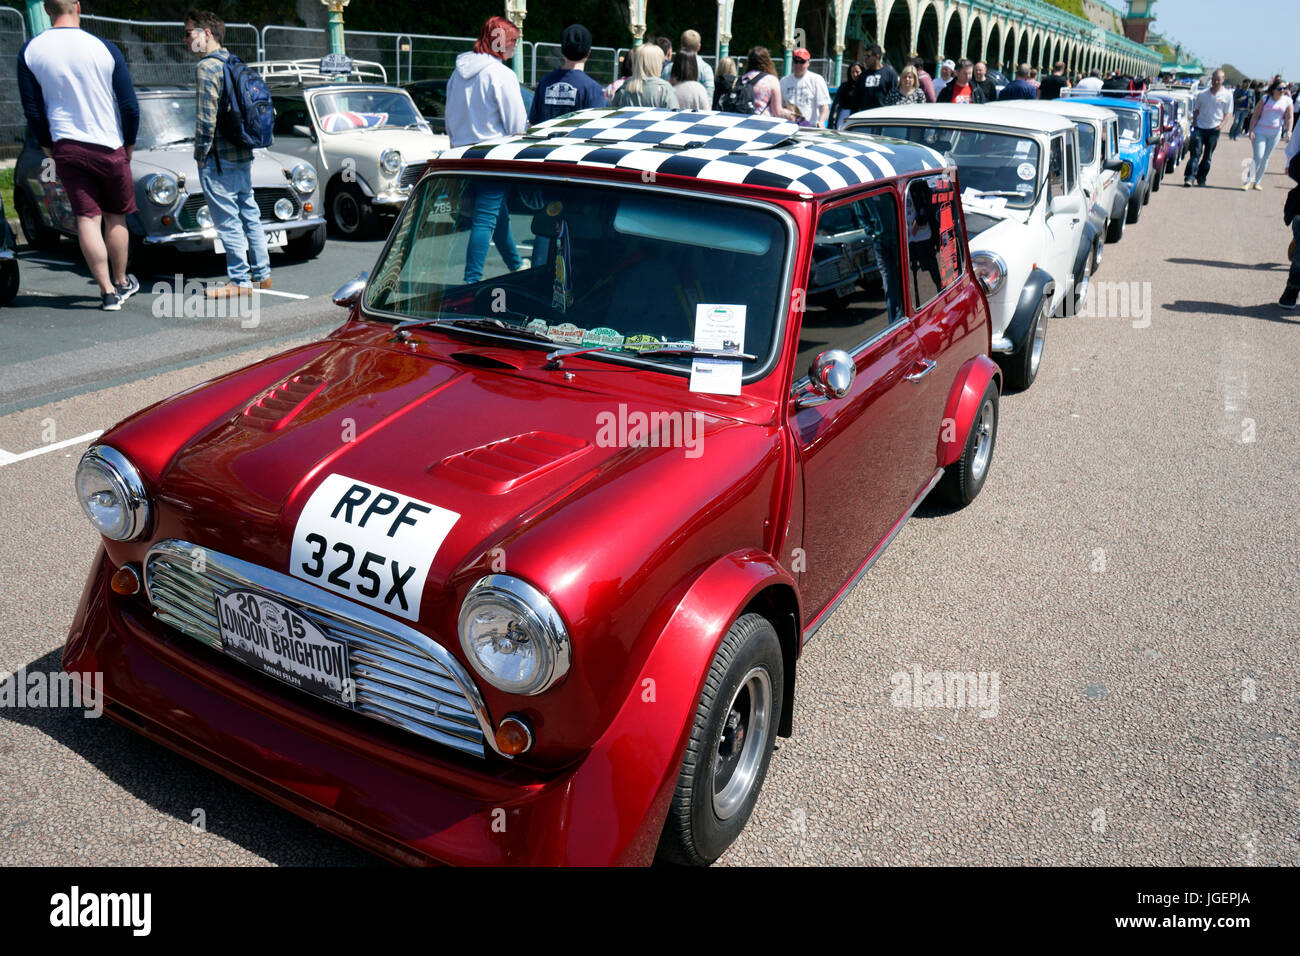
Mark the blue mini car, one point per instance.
(1136, 144)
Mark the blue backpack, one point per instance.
(245, 116)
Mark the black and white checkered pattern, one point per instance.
(720, 147)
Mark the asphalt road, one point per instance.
(56, 341)
(1128, 574)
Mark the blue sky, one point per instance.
(1258, 37)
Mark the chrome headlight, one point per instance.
(112, 494)
(161, 188)
(513, 635)
(283, 209)
(390, 161)
(304, 179)
(204, 217)
(990, 270)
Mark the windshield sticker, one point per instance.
(539, 326)
(566, 334)
(1024, 188)
(606, 338)
(368, 543)
(639, 343)
(1023, 147)
(718, 326)
(1025, 170)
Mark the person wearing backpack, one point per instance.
(225, 155)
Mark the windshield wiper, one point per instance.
(555, 359)
(1010, 193)
(474, 323)
(695, 351)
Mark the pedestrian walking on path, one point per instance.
(1271, 120)
(876, 82)
(1243, 103)
(1289, 294)
(806, 90)
(225, 167)
(684, 78)
(1020, 88)
(484, 102)
(690, 45)
(963, 88)
(80, 105)
(1211, 112)
(568, 88)
(909, 91)
(760, 76)
(645, 87)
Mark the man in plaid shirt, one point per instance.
(225, 168)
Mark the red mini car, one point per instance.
(515, 566)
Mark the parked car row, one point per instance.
(348, 147)
(546, 602)
(1045, 185)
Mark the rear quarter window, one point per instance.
(934, 239)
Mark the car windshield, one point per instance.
(1087, 142)
(339, 111)
(1003, 164)
(165, 120)
(625, 270)
(1130, 125)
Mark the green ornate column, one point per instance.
(335, 8)
(37, 19)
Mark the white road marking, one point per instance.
(9, 457)
(287, 295)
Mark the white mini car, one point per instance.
(367, 140)
(1026, 214)
(1100, 165)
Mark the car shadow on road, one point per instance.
(1268, 311)
(1220, 264)
(175, 786)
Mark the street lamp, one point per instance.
(516, 10)
(335, 8)
(636, 20)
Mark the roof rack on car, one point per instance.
(308, 72)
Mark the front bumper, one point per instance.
(391, 198)
(200, 240)
(393, 794)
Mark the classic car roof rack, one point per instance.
(308, 73)
(719, 147)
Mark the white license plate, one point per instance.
(274, 240)
(274, 638)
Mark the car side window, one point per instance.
(1056, 170)
(854, 287)
(933, 238)
(288, 114)
(1071, 164)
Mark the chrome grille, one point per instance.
(401, 676)
(266, 197)
(411, 174)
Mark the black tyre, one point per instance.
(1098, 252)
(1115, 229)
(962, 482)
(730, 747)
(1155, 180)
(349, 211)
(8, 281)
(1146, 196)
(1135, 209)
(37, 235)
(1022, 365)
(308, 245)
(1082, 279)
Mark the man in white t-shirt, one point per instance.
(1092, 82)
(806, 90)
(1211, 111)
(1292, 290)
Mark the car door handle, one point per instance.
(926, 367)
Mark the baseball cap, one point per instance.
(575, 42)
(949, 64)
(802, 54)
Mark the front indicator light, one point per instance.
(514, 736)
(125, 581)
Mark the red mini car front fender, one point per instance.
(621, 793)
(963, 404)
